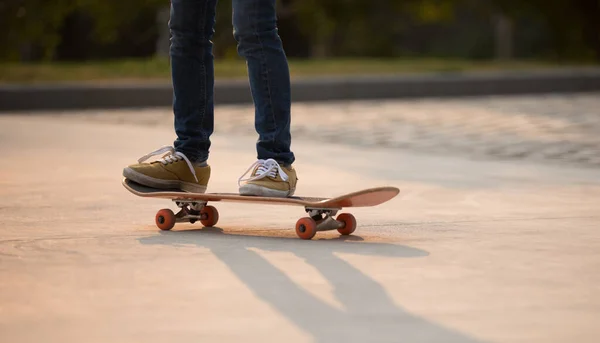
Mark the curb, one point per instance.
(107, 96)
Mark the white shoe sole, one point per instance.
(251, 189)
(162, 184)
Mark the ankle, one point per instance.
(200, 164)
(285, 165)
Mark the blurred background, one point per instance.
(130, 38)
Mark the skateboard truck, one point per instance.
(191, 211)
(321, 219)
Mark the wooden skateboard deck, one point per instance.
(194, 207)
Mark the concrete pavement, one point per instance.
(560, 129)
(473, 250)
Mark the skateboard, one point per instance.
(321, 211)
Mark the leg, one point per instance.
(183, 166)
(192, 27)
(255, 30)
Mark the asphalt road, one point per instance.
(477, 247)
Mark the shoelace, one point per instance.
(170, 156)
(265, 168)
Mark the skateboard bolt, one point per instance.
(302, 228)
(161, 219)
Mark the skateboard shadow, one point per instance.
(369, 314)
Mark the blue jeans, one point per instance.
(255, 30)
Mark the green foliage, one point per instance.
(31, 21)
(325, 28)
(573, 25)
(110, 15)
(431, 11)
(317, 19)
(35, 24)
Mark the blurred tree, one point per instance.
(317, 21)
(363, 27)
(84, 37)
(110, 16)
(573, 25)
(34, 28)
(30, 27)
(83, 29)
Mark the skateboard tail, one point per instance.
(369, 198)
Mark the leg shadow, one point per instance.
(369, 313)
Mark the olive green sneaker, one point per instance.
(173, 171)
(269, 179)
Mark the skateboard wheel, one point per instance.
(349, 223)
(165, 219)
(306, 228)
(210, 216)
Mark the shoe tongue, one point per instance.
(263, 169)
(260, 170)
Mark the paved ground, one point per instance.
(479, 247)
(559, 129)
